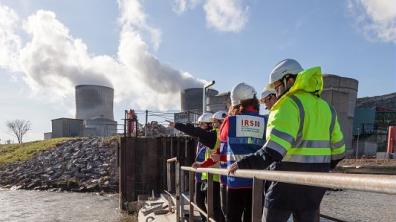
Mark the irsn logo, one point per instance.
(251, 123)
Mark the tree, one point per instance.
(19, 128)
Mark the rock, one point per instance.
(76, 165)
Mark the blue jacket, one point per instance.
(246, 135)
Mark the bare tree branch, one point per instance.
(19, 128)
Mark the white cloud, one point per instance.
(10, 42)
(52, 62)
(226, 15)
(222, 15)
(375, 18)
(180, 6)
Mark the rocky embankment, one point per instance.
(80, 165)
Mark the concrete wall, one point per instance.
(191, 99)
(47, 135)
(94, 102)
(341, 92)
(65, 127)
(220, 102)
(102, 127)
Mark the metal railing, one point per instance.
(361, 182)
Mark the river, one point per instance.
(22, 205)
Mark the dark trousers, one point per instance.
(223, 199)
(218, 214)
(200, 197)
(239, 203)
(278, 215)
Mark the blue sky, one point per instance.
(226, 41)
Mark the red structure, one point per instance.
(391, 139)
(131, 122)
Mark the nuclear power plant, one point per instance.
(94, 114)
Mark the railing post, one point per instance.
(182, 189)
(191, 176)
(257, 199)
(168, 177)
(177, 176)
(209, 196)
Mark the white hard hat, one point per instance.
(242, 91)
(266, 93)
(284, 67)
(205, 118)
(219, 115)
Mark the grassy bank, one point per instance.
(19, 152)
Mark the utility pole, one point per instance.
(206, 86)
(145, 127)
(357, 143)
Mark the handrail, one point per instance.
(174, 159)
(362, 182)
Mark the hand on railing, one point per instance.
(196, 165)
(215, 157)
(232, 168)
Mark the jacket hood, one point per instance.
(309, 80)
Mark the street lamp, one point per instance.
(357, 143)
(204, 95)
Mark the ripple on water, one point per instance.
(22, 205)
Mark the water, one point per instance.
(21, 205)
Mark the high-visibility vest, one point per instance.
(223, 162)
(200, 157)
(303, 127)
(246, 135)
(208, 152)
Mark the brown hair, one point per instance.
(249, 103)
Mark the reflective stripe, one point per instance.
(314, 144)
(333, 120)
(285, 136)
(337, 144)
(307, 159)
(338, 156)
(233, 157)
(302, 114)
(276, 146)
(245, 140)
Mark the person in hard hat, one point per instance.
(303, 135)
(205, 125)
(244, 133)
(207, 137)
(268, 98)
(215, 160)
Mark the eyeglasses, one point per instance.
(277, 84)
(267, 98)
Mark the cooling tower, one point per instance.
(220, 102)
(191, 99)
(93, 102)
(341, 92)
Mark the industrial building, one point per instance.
(94, 114)
(373, 116)
(192, 103)
(341, 92)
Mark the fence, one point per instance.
(142, 164)
(367, 182)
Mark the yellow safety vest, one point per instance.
(209, 152)
(303, 127)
